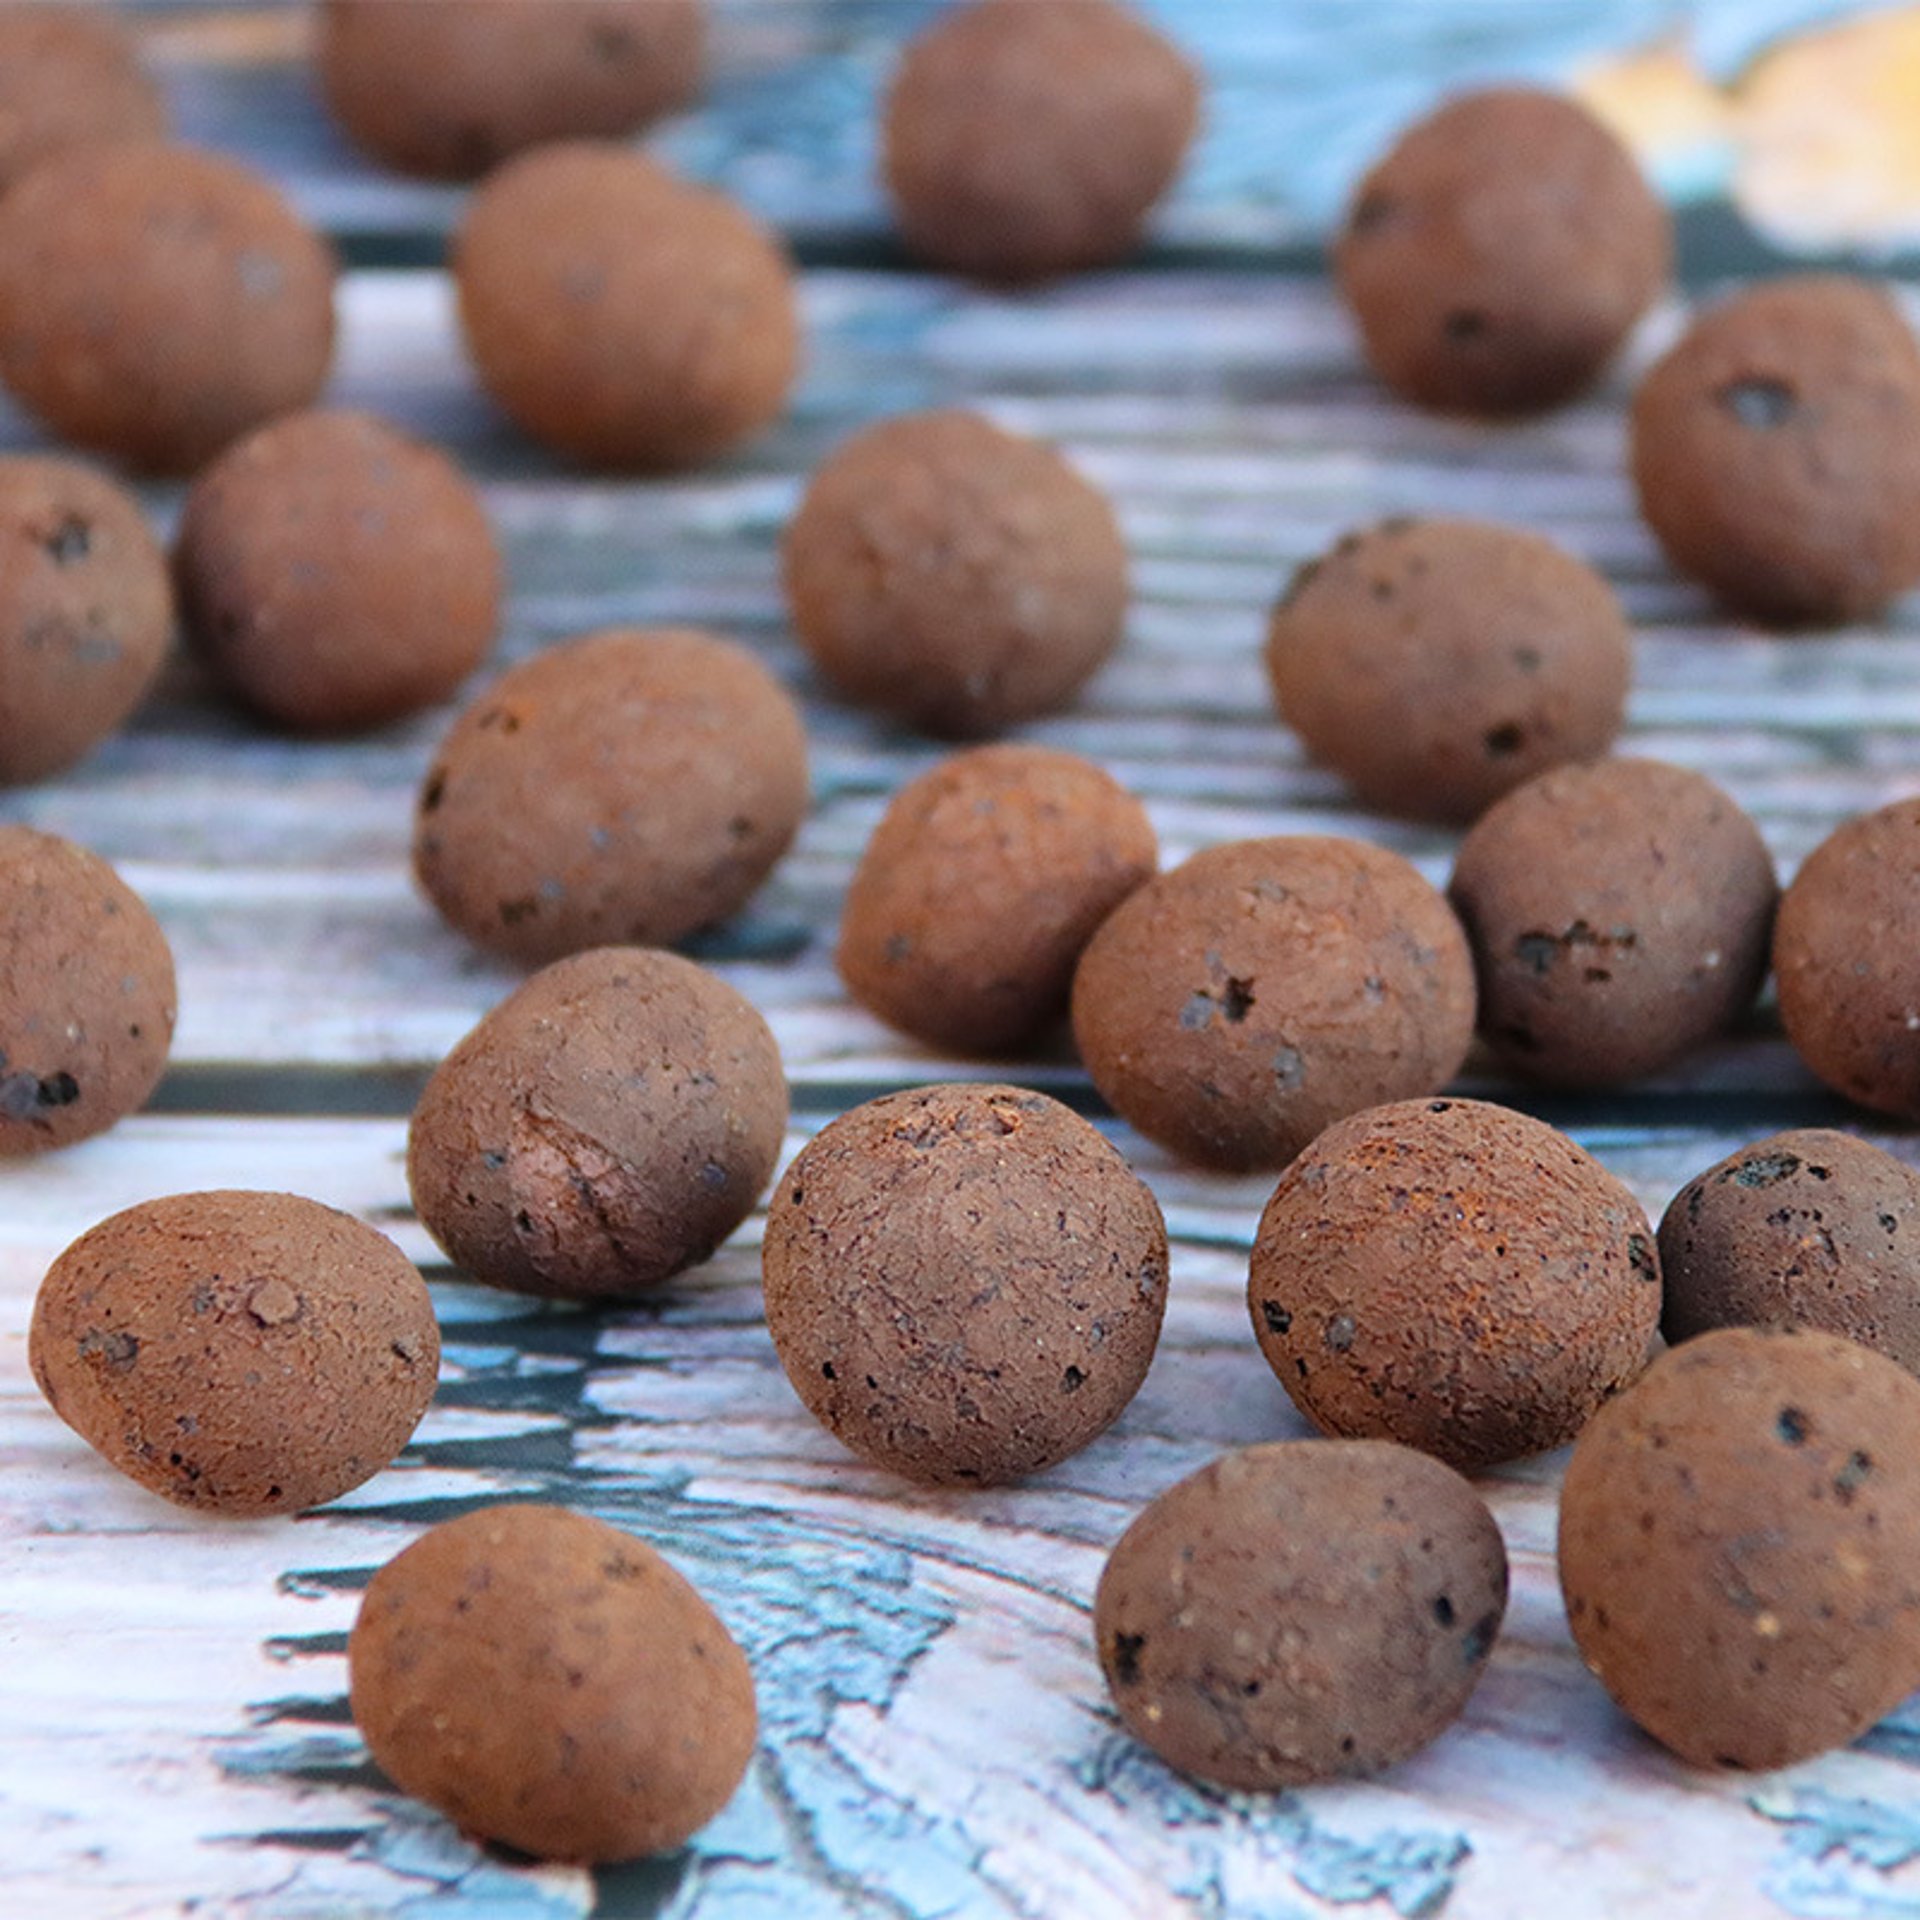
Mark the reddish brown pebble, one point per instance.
(964, 1283)
(1500, 254)
(1454, 1276)
(1776, 451)
(1234, 1007)
(953, 576)
(244, 1353)
(1619, 915)
(620, 316)
(1740, 1546)
(337, 574)
(1310, 1610)
(157, 302)
(69, 77)
(979, 889)
(549, 1682)
(627, 788)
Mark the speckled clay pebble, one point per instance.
(70, 76)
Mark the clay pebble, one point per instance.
(69, 77)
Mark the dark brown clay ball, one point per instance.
(1437, 664)
(244, 1353)
(87, 994)
(1499, 256)
(1740, 1546)
(1805, 1229)
(1023, 139)
(548, 1681)
(1776, 451)
(626, 788)
(157, 302)
(602, 1129)
(448, 88)
(953, 576)
(336, 573)
(69, 77)
(980, 888)
(1309, 1610)
(1619, 913)
(1455, 1276)
(622, 317)
(964, 1283)
(86, 613)
(1234, 1007)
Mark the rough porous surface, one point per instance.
(238, 1352)
(1740, 1546)
(954, 576)
(1309, 1610)
(69, 77)
(1454, 1276)
(964, 1283)
(547, 1681)
(1234, 1007)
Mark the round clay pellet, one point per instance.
(69, 77)
(241, 1352)
(548, 1681)
(964, 1283)
(629, 787)
(1308, 1610)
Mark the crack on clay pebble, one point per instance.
(71, 540)
(1763, 1169)
(117, 1351)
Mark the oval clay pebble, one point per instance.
(1307, 1610)
(69, 77)
(549, 1682)
(1740, 1545)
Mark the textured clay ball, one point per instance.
(1455, 1276)
(964, 1283)
(1740, 1545)
(1436, 664)
(1776, 450)
(1500, 254)
(547, 1681)
(1619, 914)
(69, 77)
(447, 88)
(953, 576)
(1810, 1229)
(1234, 1007)
(603, 1128)
(86, 994)
(244, 1353)
(337, 574)
(1028, 138)
(1302, 1611)
(156, 302)
(620, 316)
(979, 889)
(86, 613)
(627, 788)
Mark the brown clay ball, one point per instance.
(86, 613)
(1437, 664)
(1234, 1007)
(336, 573)
(602, 1129)
(1776, 451)
(69, 77)
(953, 576)
(1455, 1276)
(1309, 1610)
(622, 317)
(548, 1681)
(1499, 256)
(157, 302)
(964, 1283)
(1619, 914)
(447, 88)
(243, 1353)
(981, 886)
(1028, 138)
(1740, 1546)
(86, 994)
(626, 788)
